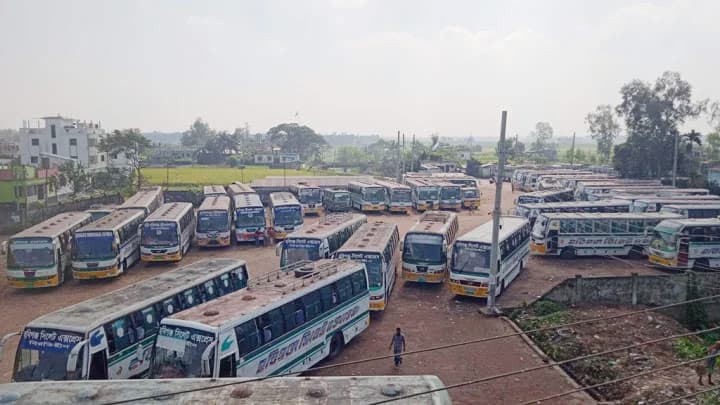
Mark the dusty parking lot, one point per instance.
(429, 315)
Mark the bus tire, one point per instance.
(701, 265)
(336, 345)
(635, 252)
(568, 253)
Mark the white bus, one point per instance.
(111, 336)
(147, 199)
(40, 255)
(279, 324)
(212, 190)
(532, 210)
(286, 215)
(470, 263)
(693, 210)
(107, 247)
(471, 197)
(655, 204)
(309, 196)
(425, 247)
(336, 200)
(377, 244)
(319, 240)
(214, 222)
(238, 188)
(99, 211)
(279, 390)
(450, 196)
(581, 194)
(568, 235)
(167, 233)
(425, 194)
(546, 196)
(250, 222)
(367, 197)
(686, 244)
(398, 197)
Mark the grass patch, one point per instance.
(687, 348)
(188, 176)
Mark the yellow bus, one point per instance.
(167, 233)
(398, 197)
(425, 194)
(367, 197)
(425, 248)
(471, 197)
(286, 215)
(214, 221)
(309, 196)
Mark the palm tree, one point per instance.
(691, 139)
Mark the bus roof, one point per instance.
(54, 226)
(544, 193)
(327, 225)
(570, 204)
(214, 189)
(142, 198)
(371, 237)
(113, 220)
(240, 188)
(302, 185)
(336, 190)
(433, 222)
(91, 313)
(711, 199)
(247, 200)
(609, 215)
(391, 185)
(419, 182)
(169, 211)
(322, 181)
(483, 233)
(364, 184)
(693, 205)
(215, 203)
(283, 198)
(263, 291)
(277, 390)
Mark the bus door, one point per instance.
(98, 369)
(683, 251)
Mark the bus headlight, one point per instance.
(376, 297)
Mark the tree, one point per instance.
(111, 179)
(603, 128)
(233, 161)
(351, 156)
(653, 112)
(294, 138)
(712, 146)
(129, 142)
(73, 174)
(542, 134)
(198, 134)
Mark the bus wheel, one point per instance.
(568, 253)
(701, 265)
(636, 252)
(336, 345)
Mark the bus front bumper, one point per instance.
(162, 257)
(373, 207)
(40, 282)
(435, 278)
(317, 210)
(661, 261)
(468, 290)
(471, 204)
(88, 274)
(406, 210)
(377, 305)
(538, 248)
(215, 242)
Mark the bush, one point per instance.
(542, 308)
(688, 349)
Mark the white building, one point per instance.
(64, 138)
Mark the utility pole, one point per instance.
(572, 151)
(675, 157)
(412, 162)
(397, 161)
(403, 155)
(491, 308)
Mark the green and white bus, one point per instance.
(377, 244)
(688, 243)
(107, 247)
(40, 256)
(532, 210)
(655, 204)
(693, 210)
(367, 197)
(279, 324)
(167, 233)
(319, 240)
(111, 336)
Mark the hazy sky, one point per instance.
(367, 66)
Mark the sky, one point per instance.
(358, 66)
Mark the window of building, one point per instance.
(54, 149)
(52, 131)
(73, 142)
(35, 142)
(33, 159)
(92, 160)
(113, 156)
(102, 158)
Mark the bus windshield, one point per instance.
(299, 249)
(250, 217)
(663, 239)
(538, 230)
(373, 264)
(179, 351)
(470, 193)
(373, 194)
(341, 197)
(423, 248)
(401, 196)
(159, 234)
(31, 252)
(43, 355)
(471, 257)
(450, 193)
(428, 194)
(310, 196)
(212, 221)
(94, 245)
(289, 215)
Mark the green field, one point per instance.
(188, 176)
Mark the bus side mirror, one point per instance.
(278, 248)
(71, 365)
(205, 366)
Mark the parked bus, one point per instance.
(281, 323)
(39, 256)
(470, 262)
(551, 181)
(578, 234)
(655, 204)
(212, 190)
(693, 210)
(688, 243)
(336, 200)
(398, 197)
(107, 247)
(546, 196)
(471, 197)
(99, 211)
(531, 211)
(455, 178)
(586, 190)
(282, 390)
(250, 222)
(665, 192)
(376, 244)
(167, 233)
(367, 197)
(530, 180)
(238, 188)
(214, 221)
(425, 194)
(319, 240)
(425, 248)
(309, 196)
(147, 199)
(111, 336)
(286, 215)
(450, 196)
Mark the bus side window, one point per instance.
(209, 291)
(329, 297)
(121, 333)
(271, 324)
(170, 306)
(190, 297)
(293, 314)
(248, 337)
(239, 277)
(344, 287)
(313, 305)
(359, 284)
(224, 284)
(146, 322)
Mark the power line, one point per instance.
(544, 366)
(440, 347)
(694, 394)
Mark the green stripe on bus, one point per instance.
(130, 350)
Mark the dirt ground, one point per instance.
(429, 316)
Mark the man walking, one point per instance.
(398, 346)
(713, 351)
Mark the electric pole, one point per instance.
(397, 161)
(412, 162)
(494, 253)
(402, 156)
(675, 158)
(572, 151)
